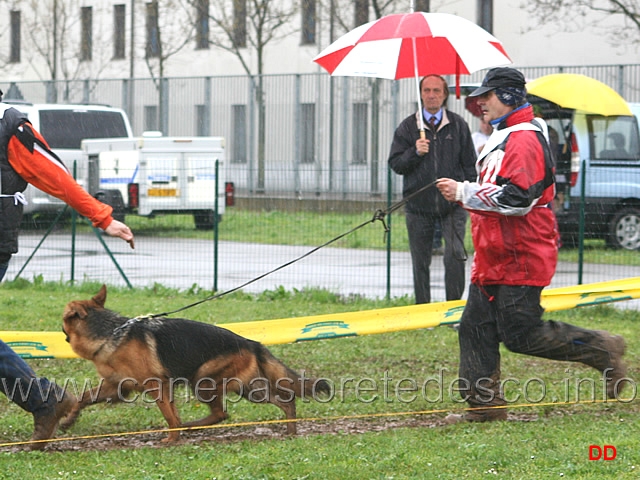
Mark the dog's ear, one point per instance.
(101, 297)
(75, 309)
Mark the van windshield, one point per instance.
(67, 128)
(614, 138)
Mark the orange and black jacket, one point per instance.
(25, 158)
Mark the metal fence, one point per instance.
(323, 148)
(288, 135)
(270, 248)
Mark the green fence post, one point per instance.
(215, 230)
(581, 223)
(44, 237)
(389, 186)
(74, 219)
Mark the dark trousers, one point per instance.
(19, 382)
(512, 315)
(421, 228)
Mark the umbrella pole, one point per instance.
(415, 70)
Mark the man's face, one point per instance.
(491, 107)
(432, 93)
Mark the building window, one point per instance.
(202, 25)
(240, 23)
(202, 124)
(423, 5)
(308, 133)
(308, 22)
(485, 14)
(359, 130)
(153, 31)
(150, 118)
(239, 144)
(119, 31)
(86, 19)
(362, 12)
(14, 54)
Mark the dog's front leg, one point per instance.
(169, 411)
(105, 392)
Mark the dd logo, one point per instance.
(606, 452)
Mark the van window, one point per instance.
(613, 138)
(67, 128)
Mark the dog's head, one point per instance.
(77, 311)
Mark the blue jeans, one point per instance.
(19, 382)
(3, 269)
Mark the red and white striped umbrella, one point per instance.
(413, 45)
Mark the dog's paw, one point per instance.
(67, 422)
(171, 438)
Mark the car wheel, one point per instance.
(204, 219)
(624, 229)
(115, 200)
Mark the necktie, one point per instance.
(432, 123)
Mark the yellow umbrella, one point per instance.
(579, 92)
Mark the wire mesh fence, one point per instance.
(273, 243)
(307, 156)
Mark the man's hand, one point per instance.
(119, 229)
(448, 188)
(422, 146)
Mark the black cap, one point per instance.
(501, 77)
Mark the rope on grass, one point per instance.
(377, 216)
(309, 419)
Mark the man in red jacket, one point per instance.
(515, 242)
(26, 158)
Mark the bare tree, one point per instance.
(589, 15)
(54, 33)
(344, 15)
(245, 28)
(169, 28)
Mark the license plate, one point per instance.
(162, 192)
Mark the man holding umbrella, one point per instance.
(445, 149)
(515, 242)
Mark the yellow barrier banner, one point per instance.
(336, 325)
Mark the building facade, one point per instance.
(73, 39)
(290, 129)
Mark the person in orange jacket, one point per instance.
(25, 158)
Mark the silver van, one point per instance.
(64, 127)
(598, 159)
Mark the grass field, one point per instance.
(380, 424)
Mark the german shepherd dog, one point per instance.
(151, 355)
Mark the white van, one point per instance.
(151, 176)
(597, 158)
(64, 127)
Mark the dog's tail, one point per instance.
(284, 379)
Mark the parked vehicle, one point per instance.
(64, 127)
(597, 158)
(149, 176)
